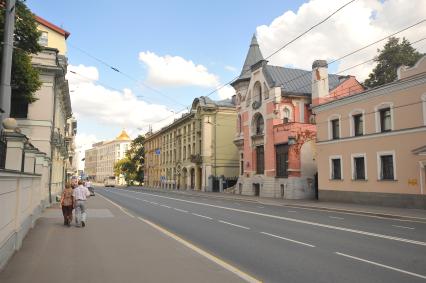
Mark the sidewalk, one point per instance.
(113, 247)
(380, 211)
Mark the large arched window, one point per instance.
(258, 124)
(257, 95)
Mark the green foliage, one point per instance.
(25, 78)
(393, 55)
(132, 165)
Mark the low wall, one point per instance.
(22, 199)
(383, 199)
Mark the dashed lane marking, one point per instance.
(236, 225)
(287, 239)
(404, 227)
(203, 216)
(335, 217)
(181, 210)
(382, 236)
(382, 265)
(163, 205)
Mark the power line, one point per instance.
(117, 70)
(278, 50)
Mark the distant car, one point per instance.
(109, 182)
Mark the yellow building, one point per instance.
(52, 36)
(196, 150)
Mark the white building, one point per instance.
(107, 153)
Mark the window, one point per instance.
(260, 160)
(43, 39)
(257, 95)
(358, 170)
(258, 124)
(336, 168)
(387, 167)
(358, 125)
(18, 107)
(281, 153)
(335, 129)
(385, 120)
(286, 115)
(239, 124)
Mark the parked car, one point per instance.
(109, 182)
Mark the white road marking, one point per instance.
(382, 265)
(287, 239)
(198, 250)
(403, 227)
(165, 205)
(181, 210)
(154, 203)
(297, 221)
(199, 215)
(335, 217)
(232, 224)
(121, 208)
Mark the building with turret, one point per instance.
(276, 130)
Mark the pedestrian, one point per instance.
(80, 195)
(67, 203)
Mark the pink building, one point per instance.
(275, 130)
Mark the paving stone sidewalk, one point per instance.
(113, 247)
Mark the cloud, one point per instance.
(226, 92)
(175, 71)
(355, 26)
(119, 108)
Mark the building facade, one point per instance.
(195, 151)
(100, 159)
(372, 145)
(45, 122)
(275, 130)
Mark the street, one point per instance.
(277, 244)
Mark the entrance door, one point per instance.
(256, 188)
(192, 178)
(281, 153)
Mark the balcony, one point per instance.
(239, 140)
(196, 158)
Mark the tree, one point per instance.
(393, 55)
(25, 78)
(132, 166)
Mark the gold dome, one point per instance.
(123, 136)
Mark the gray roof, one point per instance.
(253, 56)
(294, 80)
(205, 101)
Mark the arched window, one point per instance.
(184, 153)
(248, 98)
(286, 115)
(259, 125)
(257, 95)
(189, 150)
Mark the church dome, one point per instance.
(123, 136)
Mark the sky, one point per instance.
(170, 52)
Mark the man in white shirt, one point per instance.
(80, 195)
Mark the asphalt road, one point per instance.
(281, 244)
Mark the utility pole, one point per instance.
(6, 66)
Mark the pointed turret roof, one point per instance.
(253, 56)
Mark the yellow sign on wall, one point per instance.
(412, 182)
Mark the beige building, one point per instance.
(100, 160)
(196, 150)
(372, 145)
(46, 121)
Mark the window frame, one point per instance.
(284, 168)
(330, 126)
(352, 115)
(353, 166)
(331, 175)
(379, 165)
(377, 112)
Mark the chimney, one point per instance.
(319, 81)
